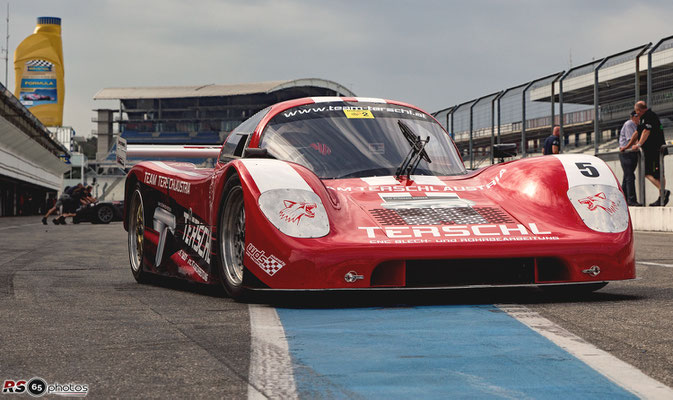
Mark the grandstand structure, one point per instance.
(593, 97)
(31, 160)
(195, 115)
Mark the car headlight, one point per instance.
(601, 207)
(295, 212)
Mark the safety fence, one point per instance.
(589, 102)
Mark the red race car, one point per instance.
(363, 193)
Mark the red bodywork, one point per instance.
(522, 229)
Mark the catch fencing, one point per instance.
(589, 102)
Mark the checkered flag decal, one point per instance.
(271, 265)
(39, 63)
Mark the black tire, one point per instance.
(136, 236)
(231, 240)
(104, 214)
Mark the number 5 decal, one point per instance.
(587, 169)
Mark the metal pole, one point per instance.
(560, 103)
(647, 46)
(649, 76)
(471, 150)
(641, 175)
(662, 177)
(492, 128)
(451, 130)
(524, 153)
(7, 48)
(649, 68)
(499, 98)
(496, 98)
(597, 124)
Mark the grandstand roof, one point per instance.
(212, 90)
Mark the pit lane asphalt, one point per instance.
(73, 313)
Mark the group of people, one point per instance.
(642, 131)
(70, 200)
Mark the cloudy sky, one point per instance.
(432, 54)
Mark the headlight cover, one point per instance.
(295, 212)
(602, 208)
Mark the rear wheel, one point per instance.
(104, 214)
(136, 236)
(231, 240)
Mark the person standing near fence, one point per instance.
(651, 138)
(629, 159)
(552, 144)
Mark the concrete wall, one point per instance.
(658, 219)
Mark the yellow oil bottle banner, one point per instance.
(39, 71)
(38, 84)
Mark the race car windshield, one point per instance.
(351, 140)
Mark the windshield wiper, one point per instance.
(415, 155)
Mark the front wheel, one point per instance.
(104, 214)
(231, 240)
(136, 236)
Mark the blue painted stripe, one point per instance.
(432, 352)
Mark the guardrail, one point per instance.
(614, 155)
(663, 152)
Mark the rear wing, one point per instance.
(178, 151)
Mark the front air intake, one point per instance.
(469, 272)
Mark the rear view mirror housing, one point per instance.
(504, 150)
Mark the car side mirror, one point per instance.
(256, 153)
(504, 150)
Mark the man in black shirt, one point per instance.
(552, 144)
(651, 138)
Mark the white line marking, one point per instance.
(271, 374)
(655, 264)
(618, 371)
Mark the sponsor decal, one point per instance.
(269, 263)
(164, 182)
(199, 271)
(376, 148)
(38, 387)
(42, 83)
(422, 188)
(321, 148)
(456, 233)
(197, 235)
(366, 114)
(294, 211)
(424, 200)
(599, 201)
(164, 222)
(346, 109)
